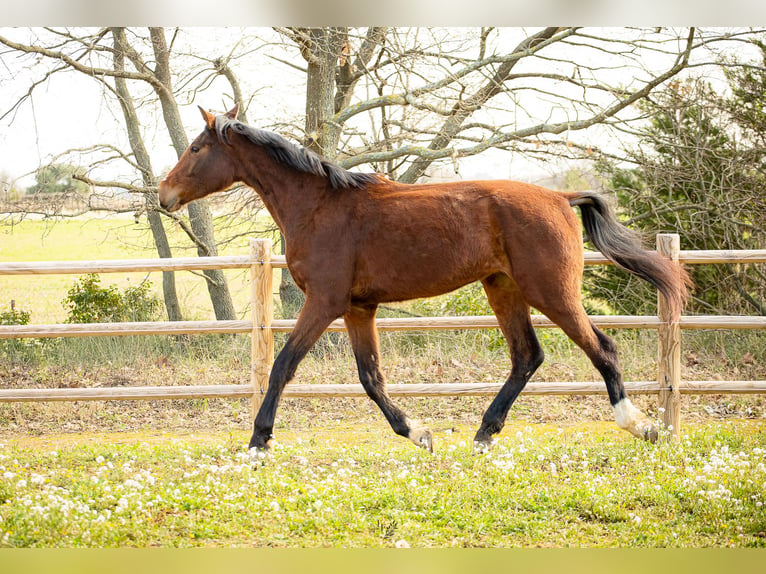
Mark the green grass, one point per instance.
(542, 485)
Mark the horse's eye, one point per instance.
(194, 149)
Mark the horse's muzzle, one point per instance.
(168, 200)
(172, 205)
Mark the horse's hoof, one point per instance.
(259, 450)
(259, 456)
(423, 438)
(261, 441)
(482, 446)
(651, 434)
(635, 422)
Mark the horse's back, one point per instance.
(423, 240)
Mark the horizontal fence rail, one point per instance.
(701, 322)
(262, 327)
(351, 390)
(278, 261)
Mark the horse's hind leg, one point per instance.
(602, 351)
(360, 323)
(526, 355)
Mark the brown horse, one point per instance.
(356, 240)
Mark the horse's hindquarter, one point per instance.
(426, 240)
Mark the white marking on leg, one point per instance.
(420, 436)
(634, 421)
(626, 414)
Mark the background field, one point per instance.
(107, 238)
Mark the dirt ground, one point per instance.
(304, 414)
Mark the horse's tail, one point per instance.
(624, 248)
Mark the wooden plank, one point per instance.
(392, 324)
(669, 348)
(126, 393)
(278, 262)
(479, 322)
(356, 390)
(124, 329)
(723, 387)
(463, 389)
(595, 258)
(722, 322)
(262, 308)
(723, 256)
(123, 265)
(130, 265)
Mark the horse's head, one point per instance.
(204, 168)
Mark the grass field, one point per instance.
(542, 485)
(106, 238)
(176, 473)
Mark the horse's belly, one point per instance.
(415, 276)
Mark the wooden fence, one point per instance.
(262, 327)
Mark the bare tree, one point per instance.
(91, 54)
(141, 155)
(402, 99)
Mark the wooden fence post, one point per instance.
(669, 348)
(262, 309)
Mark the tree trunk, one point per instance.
(322, 57)
(200, 216)
(172, 306)
(201, 221)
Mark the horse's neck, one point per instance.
(290, 196)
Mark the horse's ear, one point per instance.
(232, 113)
(208, 117)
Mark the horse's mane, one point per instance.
(294, 156)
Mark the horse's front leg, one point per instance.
(313, 320)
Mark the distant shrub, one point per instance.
(15, 350)
(15, 316)
(88, 302)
